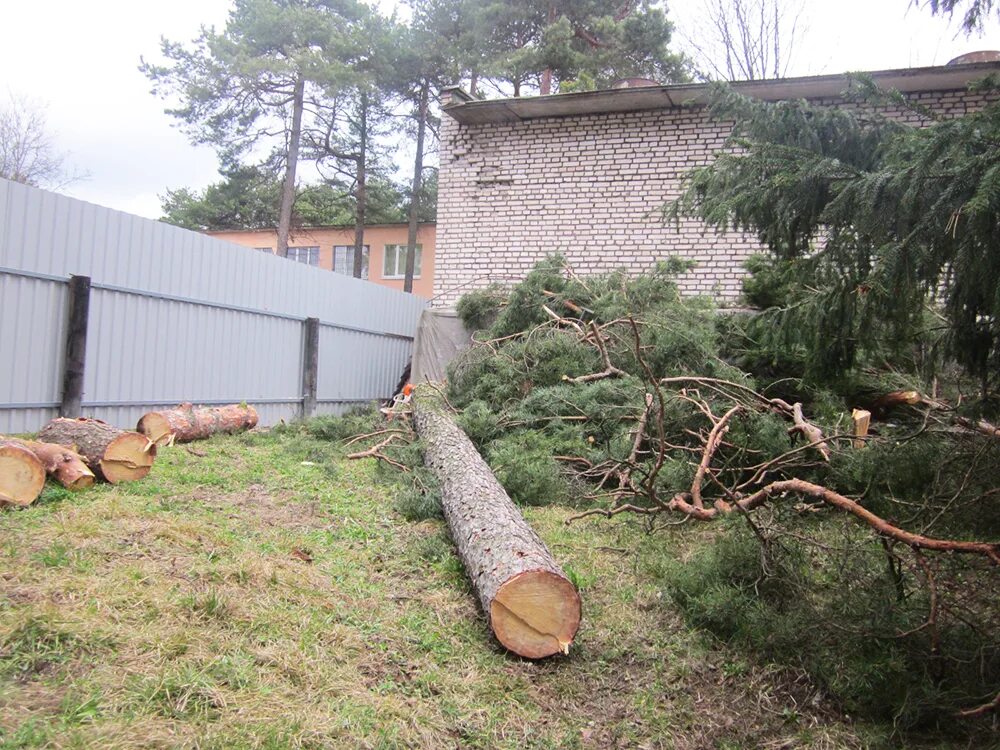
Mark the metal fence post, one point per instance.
(76, 346)
(310, 366)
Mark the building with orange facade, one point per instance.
(332, 248)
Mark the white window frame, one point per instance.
(399, 261)
(366, 254)
(311, 251)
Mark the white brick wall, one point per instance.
(591, 188)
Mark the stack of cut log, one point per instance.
(76, 452)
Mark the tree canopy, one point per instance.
(247, 87)
(583, 44)
(249, 197)
(883, 232)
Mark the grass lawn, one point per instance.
(258, 591)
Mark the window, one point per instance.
(394, 264)
(308, 255)
(265, 250)
(343, 260)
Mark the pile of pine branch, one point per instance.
(615, 394)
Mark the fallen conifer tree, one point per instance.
(882, 539)
(532, 607)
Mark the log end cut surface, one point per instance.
(536, 614)
(157, 428)
(128, 458)
(22, 475)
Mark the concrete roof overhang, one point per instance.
(469, 111)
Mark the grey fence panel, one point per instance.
(357, 368)
(179, 316)
(55, 235)
(32, 332)
(149, 352)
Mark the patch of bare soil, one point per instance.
(279, 509)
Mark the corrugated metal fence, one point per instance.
(178, 316)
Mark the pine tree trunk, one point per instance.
(361, 190)
(418, 169)
(60, 462)
(22, 475)
(291, 163)
(545, 85)
(112, 454)
(532, 607)
(187, 422)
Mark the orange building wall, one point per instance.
(376, 237)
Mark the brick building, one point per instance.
(332, 248)
(586, 175)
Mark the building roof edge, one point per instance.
(906, 80)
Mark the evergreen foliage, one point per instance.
(798, 584)
(249, 198)
(974, 12)
(574, 45)
(885, 223)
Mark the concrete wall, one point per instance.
(377, 236)
(590, 187)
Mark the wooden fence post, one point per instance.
(310, 367)
(76, 346)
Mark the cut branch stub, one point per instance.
(533, 608)
(112, 454)
(186, 422)
(22, 475)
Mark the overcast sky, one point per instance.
(80, 59)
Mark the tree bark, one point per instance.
(361, 191)
(112, 454)
(60, 462)
(291, 163)
(532, 607)
(187, 422)
(545, 85)
(22, 475)
(418, 170)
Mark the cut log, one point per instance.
(60, 462)
(532, 607)
(187, 422)
(112, 454)
(22, 475)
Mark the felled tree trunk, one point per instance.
(60, 462)
(186, 422)
(22, 476)
(533, 609)
(112, 454)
